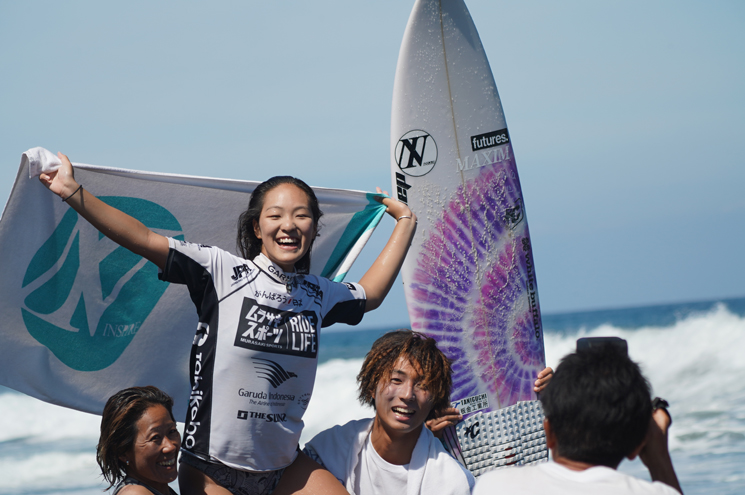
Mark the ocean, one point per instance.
(692, 353)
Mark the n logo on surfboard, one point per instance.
(416, 153)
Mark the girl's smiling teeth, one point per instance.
(168, 463)
(288, 241)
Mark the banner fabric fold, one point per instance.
(83, 318)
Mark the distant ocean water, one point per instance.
(692, 353)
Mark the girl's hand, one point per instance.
(395, 208)
(121, 228)
(62, 181)
(542, 380)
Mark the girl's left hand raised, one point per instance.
(396, 208)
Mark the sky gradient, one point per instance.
(624, 118)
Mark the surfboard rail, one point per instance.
(469, 278)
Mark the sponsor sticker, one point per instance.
(416, 153)
(471, 404)
(472, 431)
(490, 139)
(532, 290)
(402, 188)
(514, 215)
(483, 159)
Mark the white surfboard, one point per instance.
(469, 277)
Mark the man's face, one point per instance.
(402, 403)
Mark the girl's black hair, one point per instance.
(119, 427)
(249, 246)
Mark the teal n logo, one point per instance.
(79, 280)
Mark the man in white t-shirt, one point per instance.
(405, 377)
(598, 411)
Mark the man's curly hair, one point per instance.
(421, 351)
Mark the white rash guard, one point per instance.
(254, 357)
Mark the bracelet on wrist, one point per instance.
(73, 193)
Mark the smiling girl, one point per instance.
(254, 356)
(139, 442)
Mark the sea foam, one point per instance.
(696, 363)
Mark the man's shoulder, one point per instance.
(505, 479)
(553, 478)
(340, 436)
(336, 448)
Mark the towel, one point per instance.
(84, 318)
(431, 469)
(40, 161)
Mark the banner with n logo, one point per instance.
(83, 318)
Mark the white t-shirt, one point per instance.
(254, 357)
(376, 476)
(431, 469)
(554, 479)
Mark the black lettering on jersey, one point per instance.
(268, 417)
(239, 271)
(288, 280)
(274, 296)
(276, 418)
(263, 328)
(312, 290)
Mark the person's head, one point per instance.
(405, 377)
(597, 406)
(139, 437)
(282, 222)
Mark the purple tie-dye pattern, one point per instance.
(471, 290)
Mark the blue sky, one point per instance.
(624, 116)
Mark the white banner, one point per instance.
(83, 318)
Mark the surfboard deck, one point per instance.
(469, 278)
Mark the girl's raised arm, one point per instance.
(378, 280)
(114, 224)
